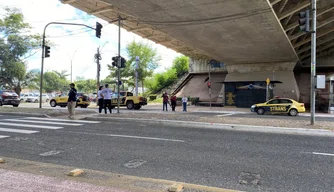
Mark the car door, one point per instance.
(273, 106)
(285, 105)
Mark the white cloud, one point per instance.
(77, 42)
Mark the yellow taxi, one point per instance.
(83, 100)
(279, 106)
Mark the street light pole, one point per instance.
(119, 60)
(313, 59)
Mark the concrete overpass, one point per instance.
(254, 38)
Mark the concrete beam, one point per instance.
(282, 6)
(319, 13)
(102, 10)
(320, 34)
(273, 2)
(293, 10)
(320, 42)
(318, 50)
(68, 1)
(141, 29)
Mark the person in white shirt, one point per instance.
(100, 101)
(106, 94)
(184, 102)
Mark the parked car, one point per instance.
(24, 96)
(9, 97)
(279, 106)
(61, 100)
(32, 98)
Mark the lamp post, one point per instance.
(71, 64)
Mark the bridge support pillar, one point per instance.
(260, 72)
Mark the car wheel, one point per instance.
(293, 112)
(0, 103)
(53, 103)
(260, 111)
(15, 105)
(129, 104)
(36, 101)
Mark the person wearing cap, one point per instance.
(72, 100)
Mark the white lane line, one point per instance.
(43, 122)
(18, 131)
(64, 120)
(325, 154)
(3, 136)
(224, 115)
(32, 126)
(148, 138)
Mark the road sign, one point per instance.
(268, 81)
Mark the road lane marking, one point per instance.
(325, 154)
(42, 122)
(18, 130)
(3, 136)
(32, 126)
(224, 115)
(127, 136)
(64, 120)
(148, 138)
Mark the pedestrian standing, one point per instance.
(72, 100)
(106, 94)
(173, 102)
(165, 101)
(184, 103)
(100, 101)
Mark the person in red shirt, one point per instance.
(173, 102)
(165, 101)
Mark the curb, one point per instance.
(229, 127)
(25, 114)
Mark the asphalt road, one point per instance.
(216, 158)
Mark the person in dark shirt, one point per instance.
(165, 101)
(72, 100)
(173, 102)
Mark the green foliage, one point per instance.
(170, 76)
(55, 81)
(149, 59)
(181, 65)
(16, 45)
(86, 85)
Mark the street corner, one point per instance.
(75, 172)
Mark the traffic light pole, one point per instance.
(43, 55)
(119, 60)
(313, 59)
(97, 57)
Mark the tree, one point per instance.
(149, 59)
(86, 85)
(54, 81)
(181, 65)
(16, 45)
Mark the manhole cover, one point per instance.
(134, 163)
(249, 178)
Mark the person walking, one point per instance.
(106, 94)
(184, 103)
(100, 101)
(72, 100)
(173, 102)
(165, 101)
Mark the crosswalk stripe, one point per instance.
(42, 122)
(3, 136)
(64, 120)
(32, 126)
(18, 131)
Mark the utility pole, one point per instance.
(98, 58)
(313, 59)
(119, 62)
(210, 83)
(137, 65)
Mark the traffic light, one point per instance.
(98, 29)
(304, 21)
(46, 51)
(114, 63)
(123, 61)
(209, 84)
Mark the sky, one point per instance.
(75, 43)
